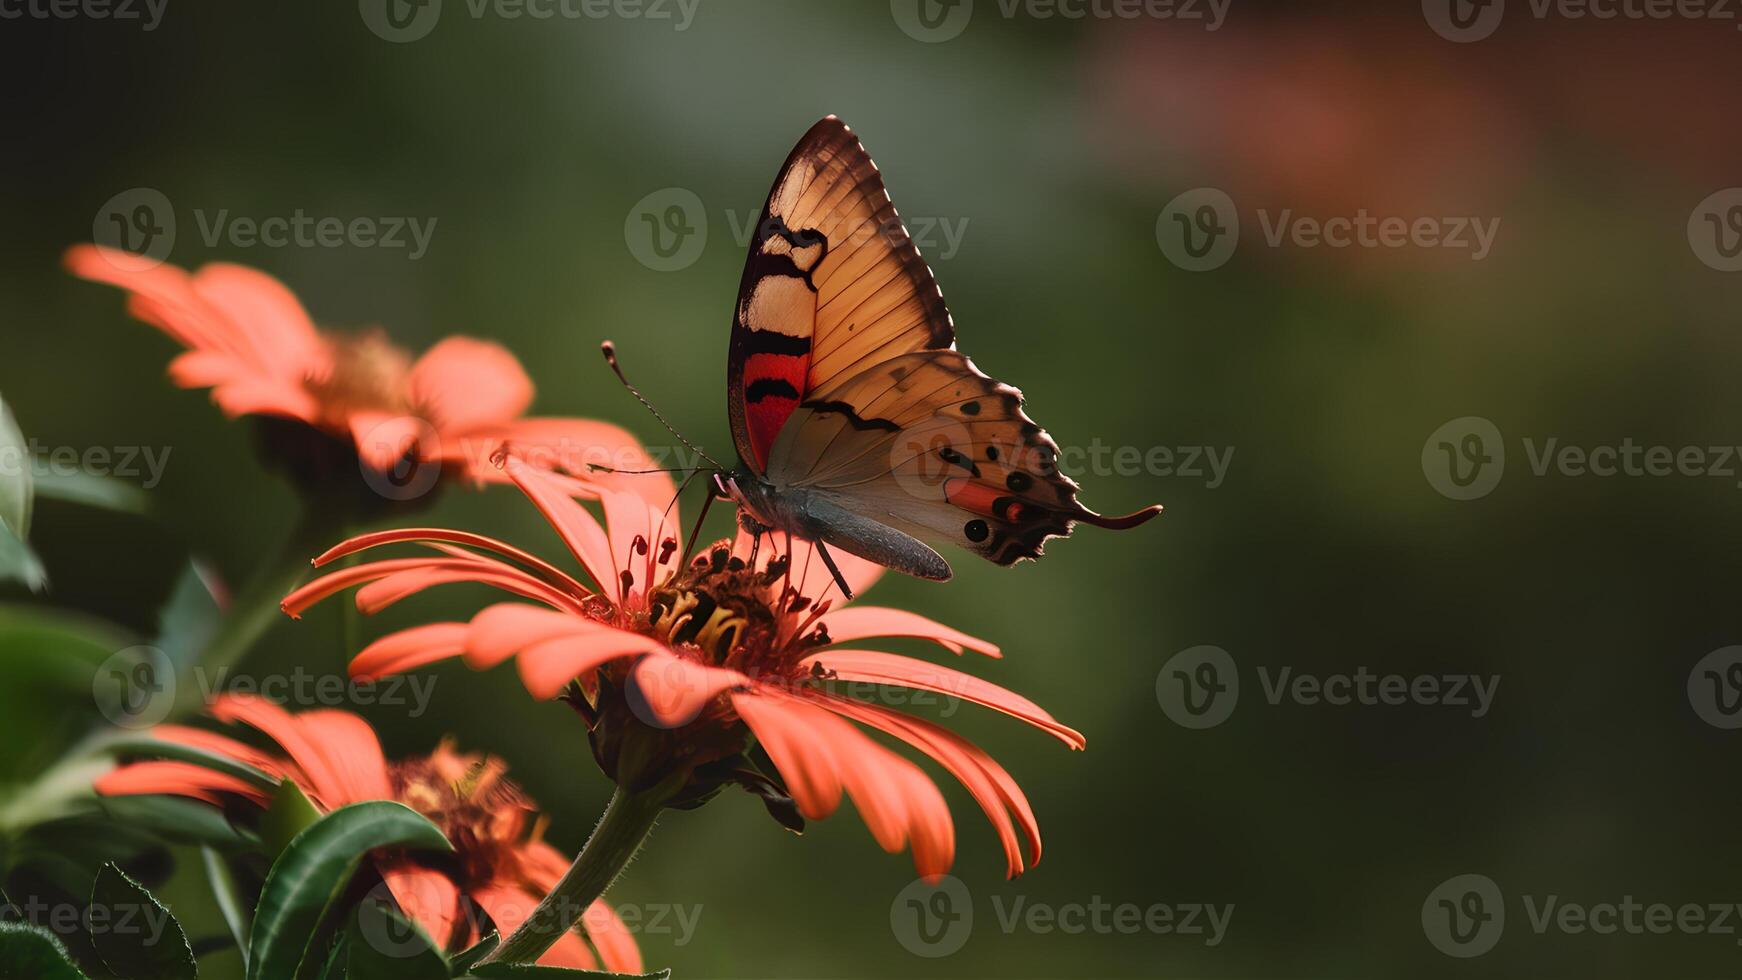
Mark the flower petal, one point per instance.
(865, 622)
(509, 907)
(673, 689)
(429, 898)
(579, 529)
(547, 667)
(889, 668)
(408, 649)
(175, 779)
(256, 712)
(991, 787)
(463, 383)
(383, 440)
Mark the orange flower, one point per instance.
(251, 342)
(695, 676)
(334, 758)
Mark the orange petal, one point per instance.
(408, 649)
(430, 898)
(462, 384)
(546, 668)
(579, 530)
(279, 725)
(890, 668)
(352, 752)
(865, 622)
(175, 779)
(675, 689)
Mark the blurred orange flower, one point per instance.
(693, 676)
(251, 342)
(335, 759)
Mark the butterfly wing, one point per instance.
(832, 285)
(957, 460)
(844, 380)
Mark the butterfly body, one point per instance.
(857, 422)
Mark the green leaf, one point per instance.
(230, 904)
(497, 971)
(384, 945)
(91, 490)
(134, 934)
(289, 814)
(29, 953)
(17, 493)
(313, 871)
(189, 618)
(177, 820)
(334, 966)
(128, 745)
(52, 662)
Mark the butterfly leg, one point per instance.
(829, 560)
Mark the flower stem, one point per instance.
(255, 608)
(620, 833)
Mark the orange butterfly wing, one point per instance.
(844, 379)
(832, 285)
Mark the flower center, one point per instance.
(370, 373)
(482, 813)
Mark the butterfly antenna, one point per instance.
(610, 351)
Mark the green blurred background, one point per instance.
(1052, 145)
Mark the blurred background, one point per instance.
(1048, 167)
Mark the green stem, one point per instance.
(255, 609)
(620, 833)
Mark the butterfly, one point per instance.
(858, 423)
